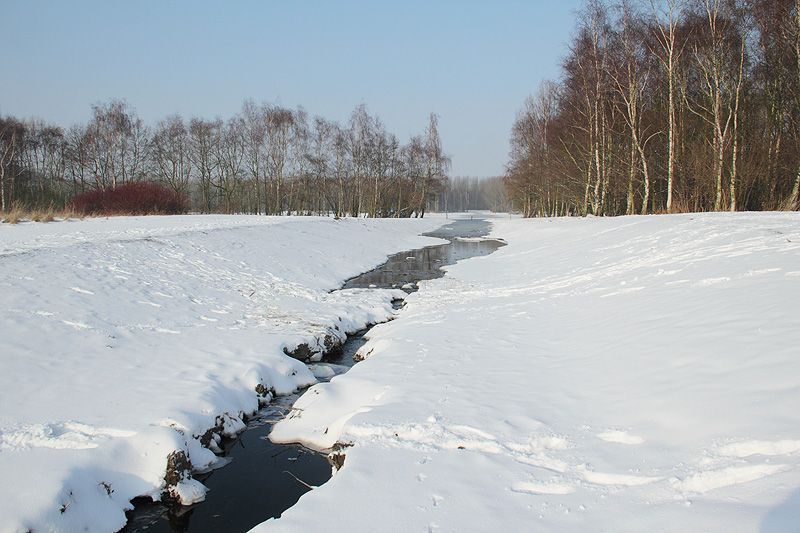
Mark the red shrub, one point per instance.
(137, 198)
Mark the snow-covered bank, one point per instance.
(125, 339)
(627, 374)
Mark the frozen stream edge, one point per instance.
(464, 239)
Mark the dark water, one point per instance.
(254, 486)
(424, 264)
(261, 480)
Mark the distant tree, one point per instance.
(436, 165)
(11, 134)
(205, 138)
(116, 141)
(668, 52)
(170, 150)
(279, 123)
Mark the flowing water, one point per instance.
(262, 479)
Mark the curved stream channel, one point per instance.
(262, 479)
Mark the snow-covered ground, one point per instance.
(626, 374)
(124, 339)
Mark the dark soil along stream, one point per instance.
(262, 479)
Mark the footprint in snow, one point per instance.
(80, 291)
(76, 325)
(711, 281)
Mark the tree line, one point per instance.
(267, 159)
(464, 193)
(664, 106)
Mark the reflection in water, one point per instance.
(256, 485)
(426, 263)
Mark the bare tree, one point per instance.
(669, 53)
(205, 138)
(436, 164)
(171, 153)
(11, 131)
(279, 131)
(720, 85)
(631, 79)
(255, 134)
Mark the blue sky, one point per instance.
(471, 62)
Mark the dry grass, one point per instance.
(790, 205)
(14, 215)
(683, 205)
(680, 205)
(19, 213)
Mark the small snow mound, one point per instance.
(466, 431)
(231, 425)
(527, 487)
(761, 447)
(189, 492)
(620, 437)
(715, 479)
(622, 480)
(322, 371)
(548, 442)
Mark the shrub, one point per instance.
(137, 198)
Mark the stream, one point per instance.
(262, 479)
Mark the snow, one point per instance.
(190, 491)
(127, 339)
(626, 374)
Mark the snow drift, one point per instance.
(130, 344)
(626, 374)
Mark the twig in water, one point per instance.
(312, 487)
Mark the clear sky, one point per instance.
(471, 62)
